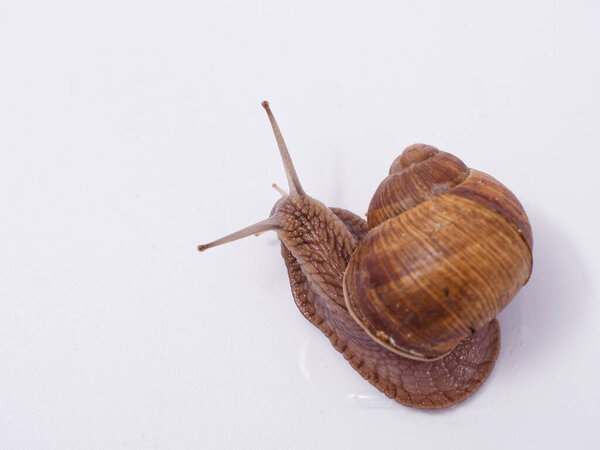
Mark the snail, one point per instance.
(409, 296)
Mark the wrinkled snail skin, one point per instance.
(409, 297)
(426, 385)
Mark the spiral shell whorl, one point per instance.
(448, 247)
(418, 174)
(413, 154)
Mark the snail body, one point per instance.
(410, 296)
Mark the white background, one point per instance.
(131, 131)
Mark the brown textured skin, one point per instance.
(355, 224)
(425, 385)
(448, 248)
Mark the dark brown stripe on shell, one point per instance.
(488, 191)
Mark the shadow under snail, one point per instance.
(410, 295)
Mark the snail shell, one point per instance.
(447, 249)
